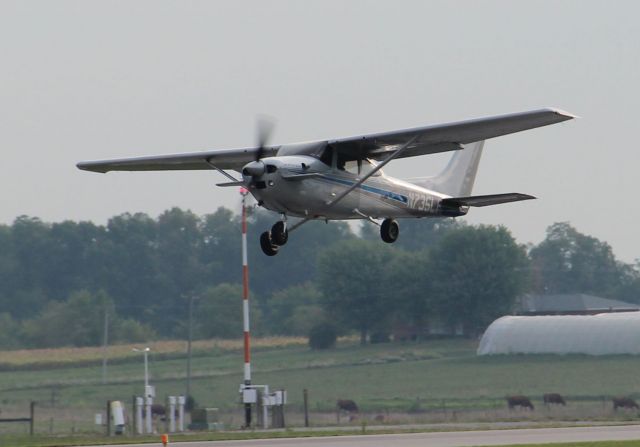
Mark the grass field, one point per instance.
(430, 381)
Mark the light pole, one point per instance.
(191, 298)
(148, 393)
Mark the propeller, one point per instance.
(264, 128)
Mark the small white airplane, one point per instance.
(343, 178)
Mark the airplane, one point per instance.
(343, 179)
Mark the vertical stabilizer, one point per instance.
(457, 178)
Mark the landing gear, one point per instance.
(271, 241)
(267, 245)
(389, 230)
(279, 233)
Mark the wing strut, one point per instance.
(373, 171)
(227, 175)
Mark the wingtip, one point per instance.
(562, 112)
(87, 166)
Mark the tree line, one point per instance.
(60, 281)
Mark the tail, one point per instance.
(457, 178)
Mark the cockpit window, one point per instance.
(359, 167)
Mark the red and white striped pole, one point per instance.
(245, 306)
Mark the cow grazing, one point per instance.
(380, 418)
(347, 405)
(160, 411)
(553, 398)
(624, 402)
(519, 401)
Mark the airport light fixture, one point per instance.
(149, 392)
(145, 351)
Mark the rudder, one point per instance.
(458, 177)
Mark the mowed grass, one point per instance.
(394, 377)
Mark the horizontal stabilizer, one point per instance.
(491, 199)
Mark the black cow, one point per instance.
(519, 401)
(347, 405)
(553, 398)
(624, 402)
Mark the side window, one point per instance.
(368, 166)
(352, 167)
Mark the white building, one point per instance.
(601, 334)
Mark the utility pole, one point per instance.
(105, 343)
(189, 339)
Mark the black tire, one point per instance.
(267, 246)
(279, 233)
(389, 231)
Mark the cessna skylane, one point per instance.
(343, 179)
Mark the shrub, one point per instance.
(379, 337)
(323, 336)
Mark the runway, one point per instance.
(440, 439)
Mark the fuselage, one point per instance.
(304, 186)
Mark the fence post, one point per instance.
(108, 418)
(133, 418)
(32, 411)
(305, 395)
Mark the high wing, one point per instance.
(233, 159)
(424, 140)
(492, 199)
(445, 137)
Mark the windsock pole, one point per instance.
(245, 306)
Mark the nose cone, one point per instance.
(253, 169)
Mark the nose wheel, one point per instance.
(389, 230)
(271, 241)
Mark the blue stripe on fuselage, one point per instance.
(388, 194)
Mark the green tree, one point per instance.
(31, 245)
(410, 276)
(179, 267)
(79, 321)
(129, 271)
(476, 274)
(219, 248)
(294, 310)
(9, 269)
(128, 330)
(219, 313)
(9, 332)
(567, 261)
(352, 277)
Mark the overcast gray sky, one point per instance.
(91, 80)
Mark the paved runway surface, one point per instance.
(440, 439)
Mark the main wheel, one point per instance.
(279, 233)
(268, 248)
(389, 230)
